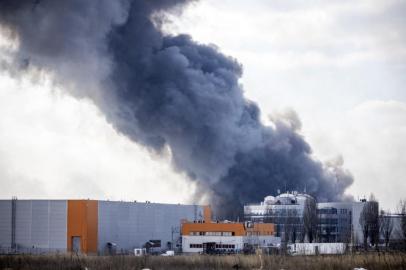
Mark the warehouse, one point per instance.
(90, 226)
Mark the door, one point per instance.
(209, 248)
(76, 244)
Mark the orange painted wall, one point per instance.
(83, 222)
(262, 229)
(207, 213)
(237, 228)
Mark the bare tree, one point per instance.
(345, 235)
(402, 212)
(285, 228)
(363, 221)
(288, 225)
(269, 215)
(385, 226)
(369, 221)
(310, 219)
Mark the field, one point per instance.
(369, 261)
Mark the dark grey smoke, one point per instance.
(170, 92)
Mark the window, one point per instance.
(225, 246)
(196, 246)
(330, 211)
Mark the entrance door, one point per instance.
(76, 244)
(209, 248)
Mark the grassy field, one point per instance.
(369, 261)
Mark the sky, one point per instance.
(340, 65)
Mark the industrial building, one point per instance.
(337, 221)
(285, 211)
(90, 226)
(208, 236)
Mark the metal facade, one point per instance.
(354, 209)
(5, 223)
(130, 224)
(82, 225)
(40, 225)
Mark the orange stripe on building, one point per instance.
(261, 229)
(236, 229)
(201, 227)
(82, 225)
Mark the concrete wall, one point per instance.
(130, 224)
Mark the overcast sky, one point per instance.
(340, 65)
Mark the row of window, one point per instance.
(333, 211)
(225, 246)
(328, 221)
(258, 233)
(213, 233)
(217, 246)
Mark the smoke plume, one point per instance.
(170, 93)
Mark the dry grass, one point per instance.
(369, 261)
